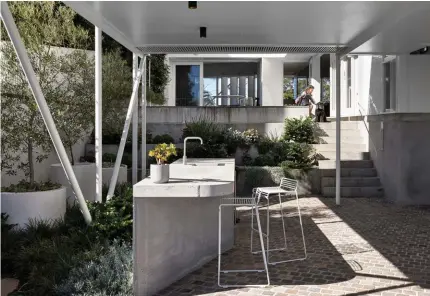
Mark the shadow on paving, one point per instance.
(400, 234)
(324, 264)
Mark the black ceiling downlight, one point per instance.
(192, 4)
(202, 32)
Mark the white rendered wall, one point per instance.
(272, 77)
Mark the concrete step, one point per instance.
(344, 147)
(343, 140)
(343, 125)
(344, 155)
(331, 164)
(350, 172)
(351, 182)
(350, 133)
(373, 191)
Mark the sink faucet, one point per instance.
(184, 158)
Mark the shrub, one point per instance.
(210, 132)
(159, 139)
(300, 156)
(114, 218)
(267, 159)
(233, 139)
(301, 130)
(251, 177)
(111, 274)
(24, 186)
(251, 136)
(42, 254)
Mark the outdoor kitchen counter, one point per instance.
(178, 188)
(176, 223)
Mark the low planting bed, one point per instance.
(67, 257)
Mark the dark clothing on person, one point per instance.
(305, 99)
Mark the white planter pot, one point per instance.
(159, 173)
(108, 172)
(85, 174)
(21, 206)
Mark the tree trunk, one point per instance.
(72, 160)
(30, 161)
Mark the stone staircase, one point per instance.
(359, 178)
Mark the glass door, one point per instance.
(188, 85)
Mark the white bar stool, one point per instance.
(286, 187)
(234, 202)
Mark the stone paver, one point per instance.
(364, 247)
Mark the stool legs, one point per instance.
(303, 237)
(283, 223)
(254, 208)
(267, 234)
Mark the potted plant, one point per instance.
(159, 172)
(26, 144)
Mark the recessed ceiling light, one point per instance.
(192, 4)
(202, 32)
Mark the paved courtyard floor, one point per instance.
(364, 247)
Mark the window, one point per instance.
(349, 83)
(390, 85)
(187, 85)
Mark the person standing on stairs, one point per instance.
(306, 99)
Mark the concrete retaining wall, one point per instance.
(401, 155)
(269, 120)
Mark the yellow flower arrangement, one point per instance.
(162, 152)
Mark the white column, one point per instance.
(135, 125)
(143, 118)
(272, 81)
(251, 86)
(128, 117)
(315, 76)
(338, 138)
(43, 106)
(332, 79)
(242, 86)
(98, 133)
(234, 83)
(224, 91)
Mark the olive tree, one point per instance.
(65, 76)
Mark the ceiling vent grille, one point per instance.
(196, 49)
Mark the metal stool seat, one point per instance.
(234, 202)
(286, 187)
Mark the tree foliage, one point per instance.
(64, 76)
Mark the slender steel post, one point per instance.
(143, 118)
(135, 124)
(98, 132)
(131, 108)
(24, 60)
(338, 122)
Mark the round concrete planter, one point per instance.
(159, 173)
(108, 172)
(85, 174)
(21, 206)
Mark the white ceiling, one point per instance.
(303, 23)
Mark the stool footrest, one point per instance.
(242, 270)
